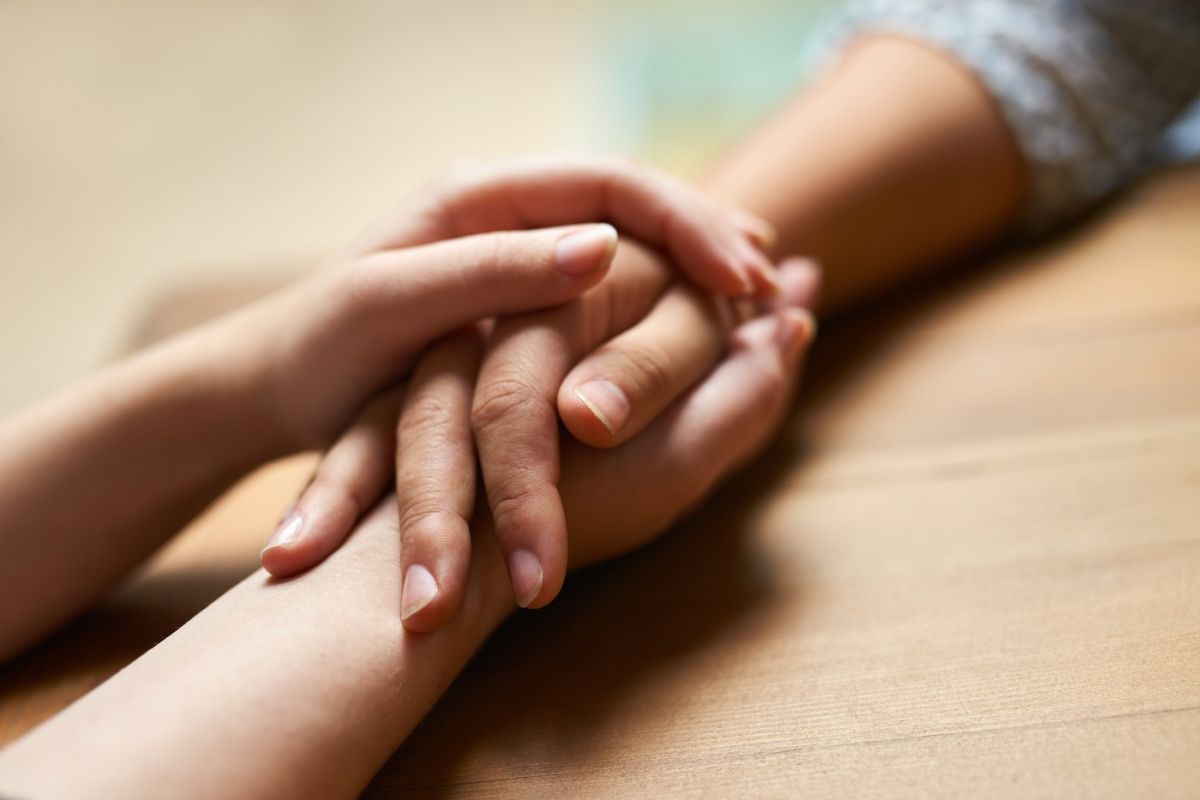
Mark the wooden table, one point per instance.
(969, 567)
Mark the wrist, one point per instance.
(314, 361)
(276, 365)
(227, 368)
(242, 685)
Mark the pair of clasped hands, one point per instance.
(452, 340)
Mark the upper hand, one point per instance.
(652, 337)
(438, 263)
(614, 499)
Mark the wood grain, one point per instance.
(969, 566)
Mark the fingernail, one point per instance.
(586, 250)
(801, 279)
(607, 403)
(420, 588)
(796, 328)
(526, 573)
(287, 532)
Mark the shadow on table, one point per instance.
(107, 638)
(563, 669)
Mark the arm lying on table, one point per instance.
(303, 688)
(854, 171)
(894, 162)
(99, 477)
(297, 688)
(145, 444)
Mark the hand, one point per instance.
(685, 333)
(354, 329)
(344, 347)
(719, 247)
(218, 692)
(652, 363)
(615, 499)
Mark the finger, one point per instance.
(349, 479)
(515, 418)
(800, 285)
(616, 391)
(611, 395)
(762, 233)
(435, 482)
(708, 432)
(730, 414)
(713, 245)
(447, 285)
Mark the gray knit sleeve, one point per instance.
(1088, 87)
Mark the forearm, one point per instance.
(301, 688)
(97, 478)
(893, 163)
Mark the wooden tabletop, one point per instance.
(969, 567)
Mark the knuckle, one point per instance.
(498, 400)
(427, 415)
(426, 519)
(435, 537)
(498, 249)
(511, 498)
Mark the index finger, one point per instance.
(714, 246)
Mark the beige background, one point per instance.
(146, 145)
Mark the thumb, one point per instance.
(361, 326)
(411, 296)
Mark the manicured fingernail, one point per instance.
(796, 328)
(607, 403)
(287, 532)
(586, 250)
(420, 588)
(526, 573)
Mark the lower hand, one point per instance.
(668, 336)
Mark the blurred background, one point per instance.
(149, 146)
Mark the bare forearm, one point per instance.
(99, 477)
(893, 163)
(300, 688)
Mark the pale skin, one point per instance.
(876, 187)
(397, 674)
(249, 718)
(287, 374)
